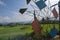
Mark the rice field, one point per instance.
(21, 31)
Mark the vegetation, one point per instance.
(20, 32)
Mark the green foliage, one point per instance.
(14, 33)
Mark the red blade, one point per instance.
(55, 13)
(36, 27)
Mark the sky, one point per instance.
(9, 11)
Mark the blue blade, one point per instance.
(41, 4)
(53, 32)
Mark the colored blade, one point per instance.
(53, 32)
(41, 4)
(28, 1)
(45, 0)
(55, 13)
(22, 10)
(36, 27)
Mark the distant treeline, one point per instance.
(41, 22)
(49, 22)
(10, 24)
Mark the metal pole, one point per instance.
(59, 10)
(59, 16)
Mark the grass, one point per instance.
(7, 32)
(48, 27)
(4, 30)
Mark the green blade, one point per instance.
(28, 1)
(22, 10)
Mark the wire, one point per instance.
(54, 5)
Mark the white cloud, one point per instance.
(17, 17)
(2, 3)
(5, 19)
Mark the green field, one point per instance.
(12, 33)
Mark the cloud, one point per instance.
(4, 19)
(17, 17)
(2, 3)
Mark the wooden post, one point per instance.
(35, 25)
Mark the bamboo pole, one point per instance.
(59, 16)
